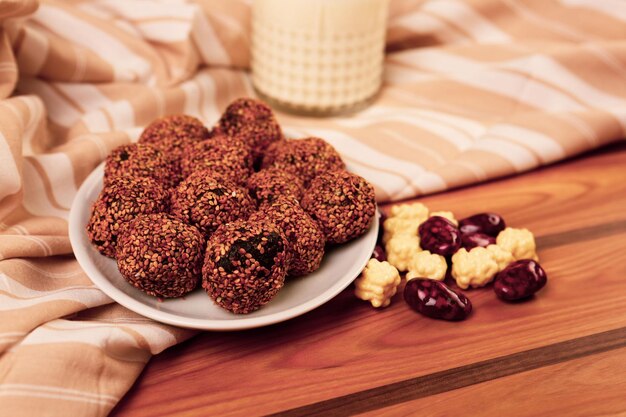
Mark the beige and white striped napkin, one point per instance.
(474, 90)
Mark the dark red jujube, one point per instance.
(487, 223)
(439, 235)
(379, 253)
(381, 229)
(436, 300)
(473, 240)
(519, 280)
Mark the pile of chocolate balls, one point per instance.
(237, 209)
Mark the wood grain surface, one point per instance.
(597, 381)
(347, 358)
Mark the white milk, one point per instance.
(318, 56)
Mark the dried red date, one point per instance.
(520, 279)
(439, 235)
(379, 253)
(487, 223)
(434, 299)
(472, 240)
(381, 229)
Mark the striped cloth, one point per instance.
(474, 90)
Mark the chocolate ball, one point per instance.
(245, 265)
(173, 133)
(304, 236)
(160, 255)
(123, 199)
(225, 156)
(269, 184)
(342, 203)
(208, 201)
(305, 158)
(139, 160)
(253, 122)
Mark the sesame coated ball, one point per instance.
(305, 158)
(208, 201)
(160, 255)
(304, 236)
(245, 265)
(173, 133)
(342, 203)
(253, 122)
(139, 160)
(224, 155)
(268, 184)
(123, 199)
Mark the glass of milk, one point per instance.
(318, 57)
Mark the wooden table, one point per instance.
(562, 353)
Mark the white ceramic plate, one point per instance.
(196, 310)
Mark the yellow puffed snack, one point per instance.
(398, 226)
(427, 265)
(475, 268)
(520, 242)
(409, 211)
(378, 283)
(400, 249)
(446, 214)
(502, 257)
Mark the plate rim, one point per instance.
(75, 229)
